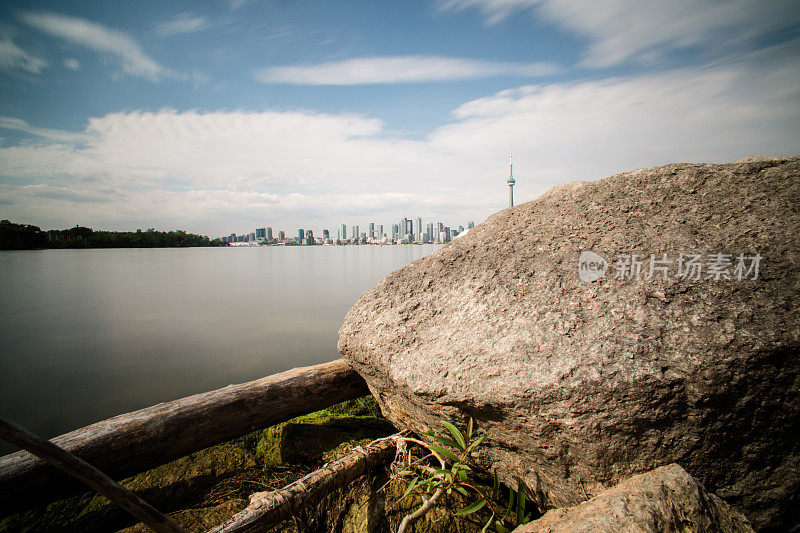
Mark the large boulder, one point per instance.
(665, 499)
(581, 384)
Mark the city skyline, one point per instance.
(405, 231)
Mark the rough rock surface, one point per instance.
(665, 499)
(583, 384)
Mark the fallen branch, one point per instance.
(89, 475)
(131, 443)
(269, 508)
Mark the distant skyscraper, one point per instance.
(380, 231)
(510, 181)
(281, 235)
(252, 237)
(269, 234)
(418, 230)
(395, 231)
(429, 232)
(300, 234)
(310, 237)
(371, 230)
(232, 237)
(343, 232)
(261, 233)
(355, 233)
(326, 235)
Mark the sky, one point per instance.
(223, 116)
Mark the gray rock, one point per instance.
(665, 499)
(581, 385)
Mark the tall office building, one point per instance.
(343, 232)
(395, 231)
(310, 237)
(232, 237)
(269, 234)
(380, 231)
(281, 235)
(326, 235)
(418, 230)
(300, 234)
(355, 233)
(252, 237)
(261, 233)
(371, 230)
(429, 232)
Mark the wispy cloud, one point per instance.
(10, 123)
(71, 63)
(623, 30)
(182, 23)
(99, 38)
(13, 57)
(397, 69)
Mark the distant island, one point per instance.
(28, 237)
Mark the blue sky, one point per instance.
(217, 117)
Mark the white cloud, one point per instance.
(71, 63)
(219, 172)
(397, 69)
(13, 57)
(182, 23)
(621, 30)
(97, 37)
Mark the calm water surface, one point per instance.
(88, 334)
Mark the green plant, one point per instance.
(454, 476)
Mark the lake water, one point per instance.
(89, 334)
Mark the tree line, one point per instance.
(28, 237)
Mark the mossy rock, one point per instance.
(199, 519)
(168, 487)
(308, 438)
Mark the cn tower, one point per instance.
(510, 180)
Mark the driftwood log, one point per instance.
(134, 442)
(269, 508)
(89, 475)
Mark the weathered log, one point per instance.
(269, 508)
(134, 442)
(83, 471)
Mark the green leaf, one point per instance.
(444, 453)
(520, 501)
(456, 434)
(495, 486)
(462, 475)
(476, 443)
(410, 487)
(500, 527)
(486, 527)
(405, 473)
(469, 509)
(511, 494)
(446, 441)
(462, 490)
(446, 473)
(428, 433)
